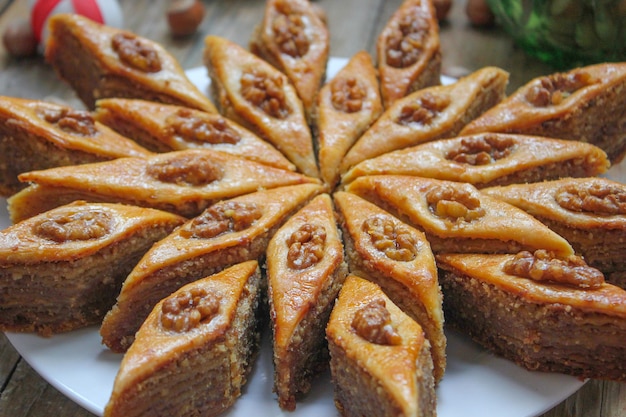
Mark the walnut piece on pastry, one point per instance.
(408, 51)
(294, 39)
(586, 104)
(100, 61)
(256, 95)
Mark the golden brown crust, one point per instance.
(293, 38)
(346, 107)
(589, 212)
(409, 56)
(195, 350)
(256, 95)
(35, 134)
(305, 270)
(228, 232)
(586, 104)
(101, 61)
(456, 217)
(541, 326)
(398, 258)
(489, 159)
(183, 182)
(360, 368)
(164, 127)
(429, 114)
(62, 270)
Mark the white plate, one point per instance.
(476, 383)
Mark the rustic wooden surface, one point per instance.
(354, 25)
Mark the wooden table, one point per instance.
(354, 25)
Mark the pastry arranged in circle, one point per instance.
(36, 134)
(589, 212)
(63, 269)
(428, 114)
(587, 104)
(489, 159)
(100, 61)
(228, 232)
(347, 106)
(166, 127)
(408, 51)
(195, 351)
(379, 358)
(259, 97)
(183, 182)
(543, 312)
(294, 38)
(305, 270)
(457, 217)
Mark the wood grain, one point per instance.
(354, 25)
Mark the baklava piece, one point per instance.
(489, 159)
(194, 353)
(545, 313)
(346, 107)
(586, 104)
(408, 51)
(259, 97)
(99, 61)
(305, 270)
(36, 134)
(183, 182)
(589, 212)
(432, 113)
(294, 39)
(226, 233)
(457, 217)
(379, 358)
(165, 127)
(62, 270)
(398, 258)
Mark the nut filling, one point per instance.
(372, 322)
(199, 130)
(187, 170)
(482, 150)
(555, 89)
(306, 246)
(597, 199)
(136, 52)
(75, 122)
(265, 92)
(423, 111)
(454, 204)
(187, 310)
(347, 95)
(289, 30)
(228, 217)
(407, 41)
(395, 241)
(83, 226)
(545, 266)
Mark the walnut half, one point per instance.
(136, 52)
(186, 170)
(395, 241)
(454, 204)
(81, 225)
(306, 246)
(602, 199)
(230, 216)
(543, 265)
(372, 322)
(187, 309)
(482, 150)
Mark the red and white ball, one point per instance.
(107, 12)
